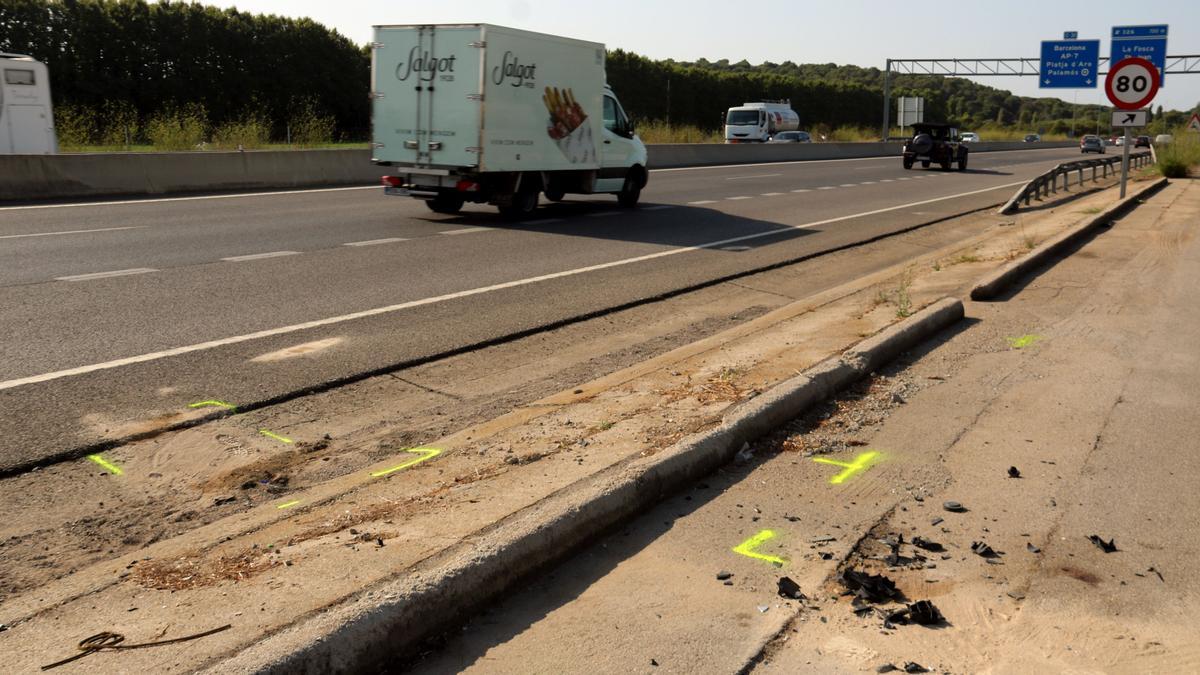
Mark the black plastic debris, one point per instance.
(937, 521)
(980, 548)
(925, 613)
(886, 668)
(1160, 576)
(826, 555)
(914, 667)
(653, 662)
(954, 507)
(894, 543)
(1013, 472)
(1031, 548)
(723, 575)
(927, 544)
(789, 589)
(1106, 546)
(869, 587)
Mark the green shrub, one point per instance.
(75, 126)
(178, 128)
(655, 131)
(118, 124)
(250, 132)
(308, 125)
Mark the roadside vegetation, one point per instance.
(1181, 155)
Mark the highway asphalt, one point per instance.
(115, 316)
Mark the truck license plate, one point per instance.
(396, 191)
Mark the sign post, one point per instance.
(1131, 85)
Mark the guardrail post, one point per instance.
(1081, 176)
(1066, 181)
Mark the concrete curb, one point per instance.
(993, 284)
(388, 621)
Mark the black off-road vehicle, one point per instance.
(935, 143)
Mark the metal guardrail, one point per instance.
(1048, 182)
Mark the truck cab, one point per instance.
(26, 114)
(757, 121)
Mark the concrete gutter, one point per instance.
(995, 283)
(388, 621)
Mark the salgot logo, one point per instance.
(424, 65)
(512, 70)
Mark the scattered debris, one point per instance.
(914, 667)
(1106, 546)
(869, 587)
(1160, 576)
(653, 662)
(789, 589)
(886, 668)
(954, 507)
(762, 609)
(937, 521)
(927, 544)
(922, 612)
(980, 548)
(1013, 472)
(723, 575)
(226, 499)
(1031, 548)
(822, 539)
(1016, 595)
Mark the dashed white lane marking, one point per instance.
(886, 180)
(603, 214)
(735, 249)
(260, 256)
(828, 187)
(52, 234)
(734, 199)
(867, 182)
(329, 321)
(658, 207)
(466, 230)
(761, 175)
(771, 194)
(905, 178)
(372, 242)
(846, 185)
(802, 190)
(107, 275)
(702, 201)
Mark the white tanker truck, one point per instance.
(757, 121)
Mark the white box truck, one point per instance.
(26, 115)
(758, 121)
(485, 114)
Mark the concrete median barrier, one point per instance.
(73, 176)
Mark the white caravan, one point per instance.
(26, 116)
(758, 121)
(485, 114)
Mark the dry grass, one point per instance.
(196, 572)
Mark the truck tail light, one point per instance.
(466, 186)
(392, 181)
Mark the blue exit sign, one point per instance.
(1071, 35)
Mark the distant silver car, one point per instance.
(1033, 138)
(1091, 143)
(969, 137)
(791, 137)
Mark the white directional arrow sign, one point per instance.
(1130, 118)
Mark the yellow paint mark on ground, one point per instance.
(271, 434)
(218, 404)
(426, 453)
(108, 466)
(1023, 341)
(860, 463)
(287, 505)
(747, 547)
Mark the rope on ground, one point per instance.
(106, 640)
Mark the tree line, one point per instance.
(125, 64)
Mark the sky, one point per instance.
(842, 31)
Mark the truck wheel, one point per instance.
(962, 162)
(445, 204)
(523, 205)
(946, 164)
(631, 191)
(554, 194)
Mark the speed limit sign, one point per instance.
(1132, 83)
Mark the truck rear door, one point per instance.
(426, 90)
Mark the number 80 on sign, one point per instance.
(1132, 83)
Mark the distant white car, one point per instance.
(969, 137)
(1163, 139)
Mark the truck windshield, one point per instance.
(742, 117)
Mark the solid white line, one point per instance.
(658, 207)
(734, 199)
(886, 158)
(372, 242)
(154, 356)
(51, 234)
(466, 230)
(702, 201)
(259, 256)
(107, 275)
(186, 199)
(761, 175)
(771, 194)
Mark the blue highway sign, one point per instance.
(1070, 35)
(1069, 64)
(1147, 42)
